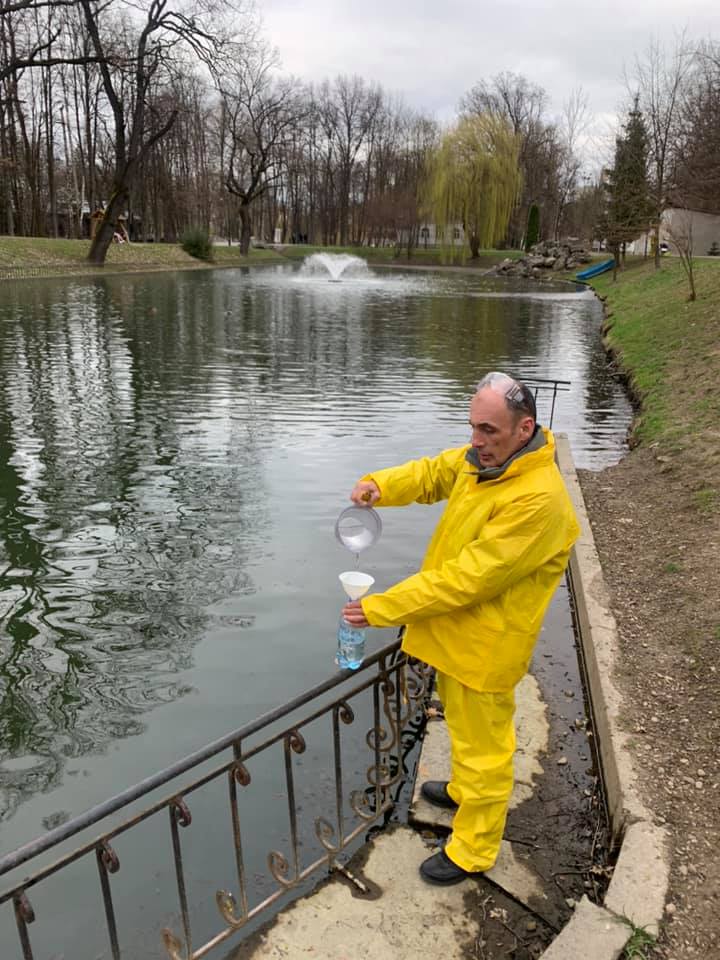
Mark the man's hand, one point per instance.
(353, 613)
(365, 493)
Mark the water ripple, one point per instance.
(158, 437)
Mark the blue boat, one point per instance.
(595, 269)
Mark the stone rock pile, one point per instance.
(545, 258)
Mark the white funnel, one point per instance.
(356, 584)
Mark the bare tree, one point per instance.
(680, 231)
(659, 78)
(260, 114)
(37, 38)
(134, 63)
(697, 176)
(573, 125)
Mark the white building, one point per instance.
(676, 225)
(428, 235)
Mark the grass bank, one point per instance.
(26, 257)
(670, 351)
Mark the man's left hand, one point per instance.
(353, 613)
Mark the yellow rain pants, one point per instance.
(482, 736)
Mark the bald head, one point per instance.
(499, 419)
(518, 398)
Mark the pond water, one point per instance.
(174, 451)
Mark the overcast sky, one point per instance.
(431, 54)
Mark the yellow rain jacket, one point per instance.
(498, 552)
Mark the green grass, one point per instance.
(25, 257)
(671, 567)
(638, 942)
(707, 500)
(637, 946)
(669, 349)
(42, 256)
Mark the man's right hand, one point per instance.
(365, 493)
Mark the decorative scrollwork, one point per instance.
(279, 868)
(24, 908)
(380, 738)
(109, 858)
(387, 778)
(296, 741)
(227, 905)
(181, 813)
(414, 687)
(418, 676)
(345, 712)
(402, 686)
(172, 945)
(360, 802)
(241, 773)
(325, 833)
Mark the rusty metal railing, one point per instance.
(540, 389)
(397, 687)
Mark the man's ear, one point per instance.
(527, 425)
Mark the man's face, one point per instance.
(497, 433)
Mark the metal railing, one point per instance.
(397, 687)
(538, 386)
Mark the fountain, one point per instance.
(334, 266)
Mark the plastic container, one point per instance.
(358, 528)
(350, 645)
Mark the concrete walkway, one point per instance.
(405, 919)
(402, 916)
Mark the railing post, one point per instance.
(24, 914)
(180, 816)
(108, 862)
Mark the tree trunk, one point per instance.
(50, 152)
(245, 229)
(474, 246)
(107, 227)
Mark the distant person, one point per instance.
(475, 608)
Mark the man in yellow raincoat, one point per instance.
(475, 608)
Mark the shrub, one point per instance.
(196, 242)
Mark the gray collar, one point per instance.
(536, 441)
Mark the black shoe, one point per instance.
(440, 869)
(435, 792)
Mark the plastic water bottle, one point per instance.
(350, 645)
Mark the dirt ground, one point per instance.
(658, 536)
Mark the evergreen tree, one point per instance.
(629, 204)
(532, 234)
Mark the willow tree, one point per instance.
(474, 180)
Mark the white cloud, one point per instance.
(432, 54)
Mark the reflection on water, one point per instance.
(173, 450)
